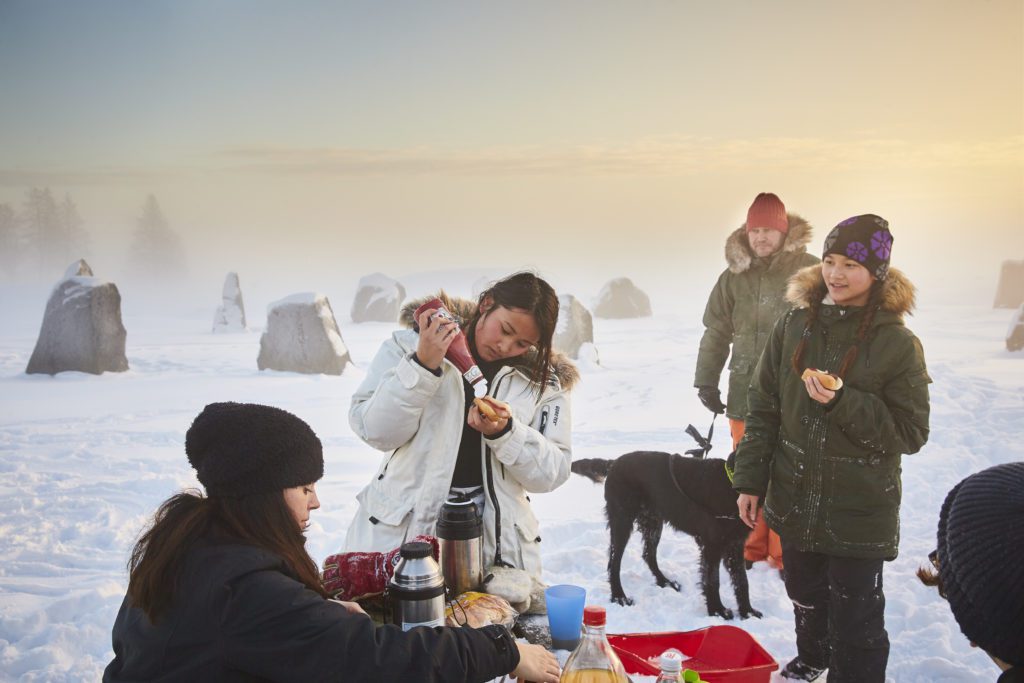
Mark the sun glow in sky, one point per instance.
(360, 136)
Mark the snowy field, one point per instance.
(84, 460)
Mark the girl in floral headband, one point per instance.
(826, 462)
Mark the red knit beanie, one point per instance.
(767, 211)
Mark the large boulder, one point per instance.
(230, 315)
(575, 326)
(1010, 293)
(82, 329)
(378, 299)
(620, 298)
(302, 336)
(1015, 335)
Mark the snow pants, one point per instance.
(762, 543)
(839, 607)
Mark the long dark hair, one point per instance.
(529, 292)
(863, 330)
(260, 519)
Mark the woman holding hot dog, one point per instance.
(826, 462)
(416, 406)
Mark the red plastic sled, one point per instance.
(720, 654)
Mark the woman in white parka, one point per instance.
(415, 405)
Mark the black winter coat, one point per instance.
(830, 475)
(241, 616)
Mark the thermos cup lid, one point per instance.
(415, 549)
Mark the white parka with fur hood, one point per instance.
(417, 417)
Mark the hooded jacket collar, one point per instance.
(740, 256)
(898, 292)
(561, 366)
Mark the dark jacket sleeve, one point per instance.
(274, 627)
(717, 337)
(896, 421)
(754, 454)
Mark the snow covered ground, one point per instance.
(84, 460)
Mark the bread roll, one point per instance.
(486, 410)
(828, 380)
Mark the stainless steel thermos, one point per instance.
(416, 591)
(460, 534)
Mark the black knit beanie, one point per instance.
(981, 559)
(865, 239)
(238, 449)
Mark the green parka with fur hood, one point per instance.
(830, 475)
(417, 418)
(744, 305)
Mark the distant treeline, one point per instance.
(43, 236)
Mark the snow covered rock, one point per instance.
(1010, 293)
(230, 315)
(575, 326)
(378, 299)
(302, 336)
(82, 329)
(1015, 335)
(620, 298)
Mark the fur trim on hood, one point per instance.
(898, 292)
(739, 255)
(562, 366)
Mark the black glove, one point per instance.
(711, 397)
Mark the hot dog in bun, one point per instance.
(488, 407)
(828, 380)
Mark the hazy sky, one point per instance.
(588, 138)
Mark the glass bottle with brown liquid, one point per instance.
(593, 660)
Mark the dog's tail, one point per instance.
(595, 469)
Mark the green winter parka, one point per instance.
(830, 475)
(744, 305)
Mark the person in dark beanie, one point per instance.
(221, 587)
(826, 461)
(762, 254)
(978, 563)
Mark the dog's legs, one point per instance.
(620, 528)
(738, 574)
(710, 560)
(650, 529)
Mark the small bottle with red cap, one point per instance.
(593, 660)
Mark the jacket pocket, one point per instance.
(786, 482)
(528, 536)
(384, 508)
(862, 501)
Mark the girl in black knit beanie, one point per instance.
(978, 563)
(221, 587)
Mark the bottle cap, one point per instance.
(480, 388)
(594, 615)
(671, 660)
(415, 549)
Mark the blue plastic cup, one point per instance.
(565, 614)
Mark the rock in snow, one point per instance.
(620, 298)
(1010, 293)
(302, 336)
(378, 299)
(1015, 335)
(82, 329)
(230, 315)
(575, 326)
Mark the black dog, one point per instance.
(694, 495)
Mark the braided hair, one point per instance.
(863, 330)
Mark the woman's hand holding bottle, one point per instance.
(436, 335)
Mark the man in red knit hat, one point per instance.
(761, 254)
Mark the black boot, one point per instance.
(798, 670)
